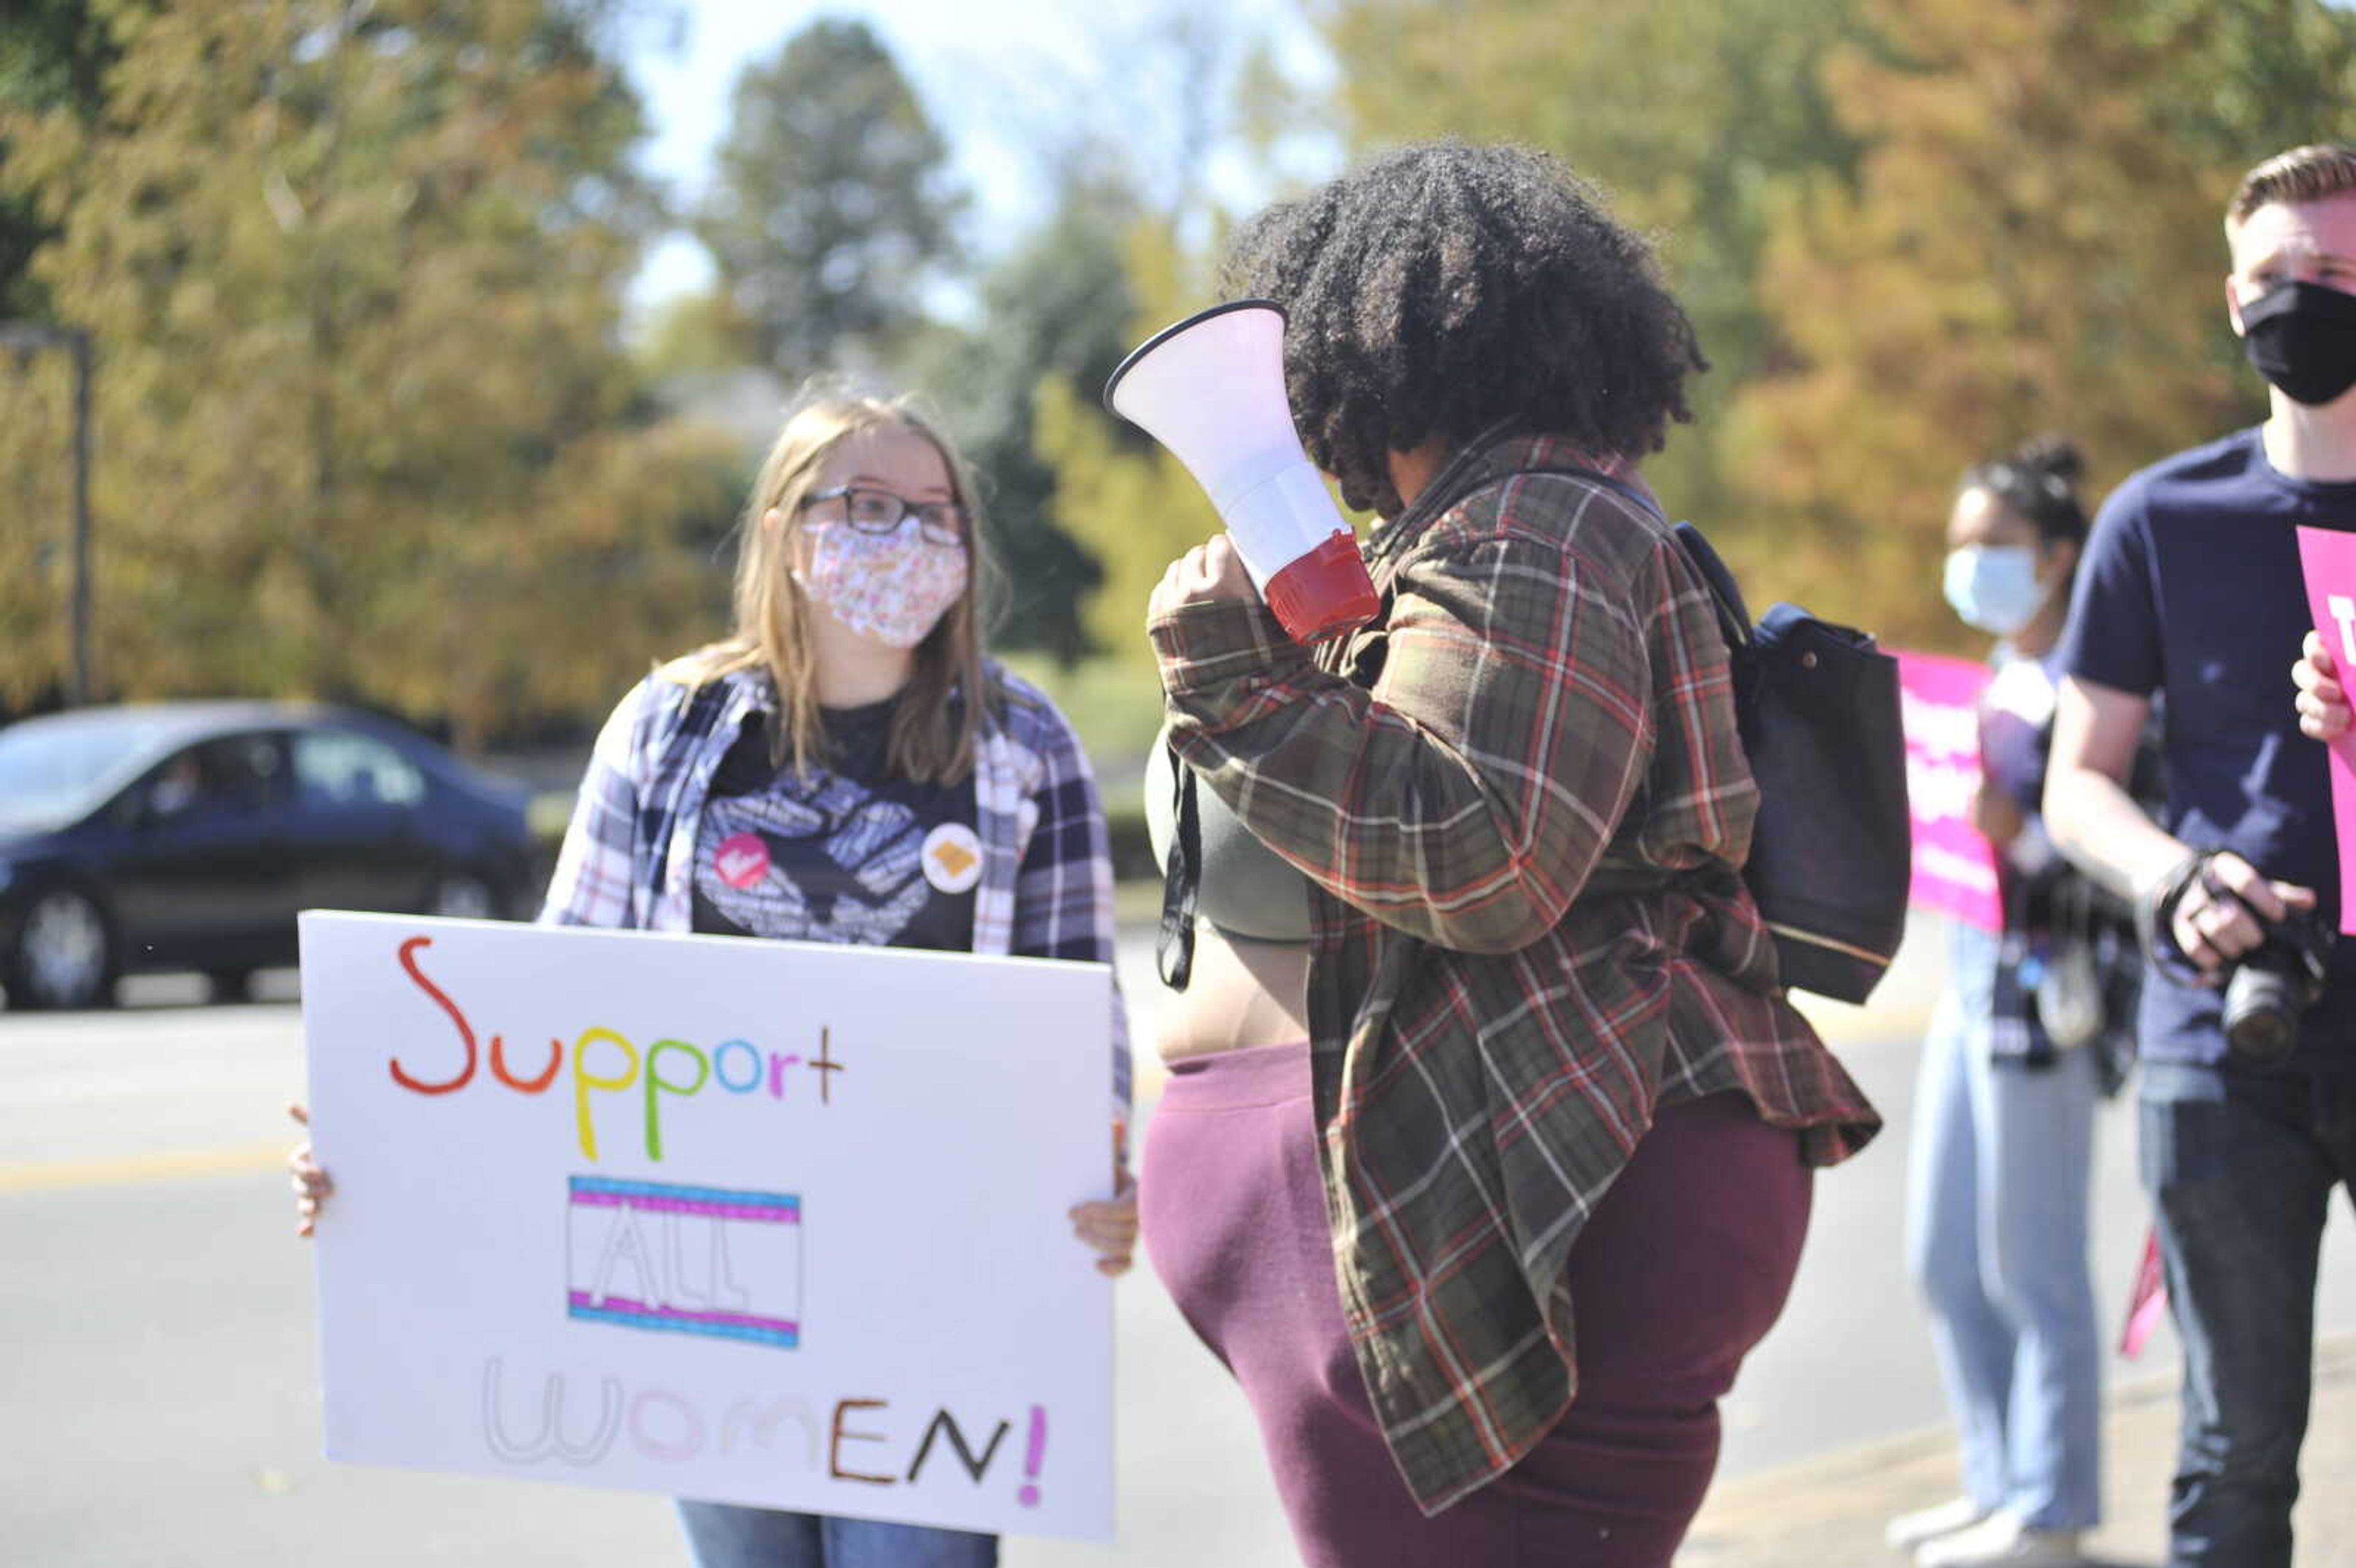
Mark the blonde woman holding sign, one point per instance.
(847, 767)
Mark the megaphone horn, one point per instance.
(1211, 388)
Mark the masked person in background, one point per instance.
(2193, 587)
(2020, 1050)
(1484, 1176)
(848, 767)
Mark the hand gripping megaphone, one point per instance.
(1211, 390)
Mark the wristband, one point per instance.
(2155, 912)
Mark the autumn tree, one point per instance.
(832, 204)
(354, 273)
(53, 56)
(1699, 118)
(2032, 244)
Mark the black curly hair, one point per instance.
(1446, 287)
(2040, 481)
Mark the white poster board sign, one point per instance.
(763, 1222)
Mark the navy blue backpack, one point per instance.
(1832, 853)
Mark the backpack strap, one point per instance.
(1733, 615)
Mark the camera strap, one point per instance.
(1182, 880)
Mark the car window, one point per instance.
(233, 773)
(52, 769)
(337, 768)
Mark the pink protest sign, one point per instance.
(2330, 559)
(2146, 1300)
(1955, 868)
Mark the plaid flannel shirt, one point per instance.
(1046, 879)
(1522, 804)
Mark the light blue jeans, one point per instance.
(1996, 1243)
(723, 1535)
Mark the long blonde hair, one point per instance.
(940, 713)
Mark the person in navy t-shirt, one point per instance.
(2191, 593)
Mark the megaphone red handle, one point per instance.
(1324, 593)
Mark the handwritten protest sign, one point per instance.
(1955, 868)
(2329, 562)
(759, 1223)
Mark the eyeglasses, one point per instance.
(881, 512)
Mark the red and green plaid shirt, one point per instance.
(1521, 801)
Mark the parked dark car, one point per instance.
(186, 836)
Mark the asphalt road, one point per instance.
(156, 1390)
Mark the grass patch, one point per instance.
(1116, 707)
(547, 814)
(1137, 903)
(1114, 704)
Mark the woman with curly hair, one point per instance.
(1485, 1187)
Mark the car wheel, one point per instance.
(65, 954)
(464, 898)
(231, 985)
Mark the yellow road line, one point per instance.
(48, 1176)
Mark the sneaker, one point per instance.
(1908, 1531)
(2001, 1538)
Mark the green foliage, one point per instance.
(833, 202)
(1698, 117)
(1057, 310)
(1115, 707)
(692, 334)
(2033, 243)
(1910, 232)
(53, 55)
(1128, 502)
(353, 272)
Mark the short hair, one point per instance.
(2303, 174)
(1444, 288)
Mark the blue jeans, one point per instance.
(2241, 1167)
(1996, 1243)
(723, 1535)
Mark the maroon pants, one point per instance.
(1680, 1273)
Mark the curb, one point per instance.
(1833, 1507)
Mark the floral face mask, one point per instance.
(892, 587)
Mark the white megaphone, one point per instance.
(1211, 390)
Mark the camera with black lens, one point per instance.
(2272, 986)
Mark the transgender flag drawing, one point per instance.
(685, 1260)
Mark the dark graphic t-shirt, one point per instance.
(844, 853)
(2191, 592)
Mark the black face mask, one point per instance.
(2302, 337)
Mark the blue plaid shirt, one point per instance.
(1046, 880)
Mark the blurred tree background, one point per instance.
(369, 425)
(364, 428)
(832, 204)
(2032, 241)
